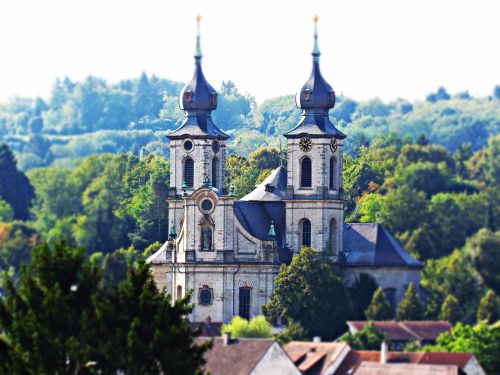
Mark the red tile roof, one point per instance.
(314, 357)
(406, 330)
(239, 357)
(371, 368)
(356, 357)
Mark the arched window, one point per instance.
(189, 172)
(306, 233)
(179, 292)
(214, 172)
(244, 303)
(333, 236)
(332, 172)
(306, 173)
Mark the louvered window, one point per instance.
(305, 175)
(214, 172)
(189, 172)
(306, 233)
(332, 173)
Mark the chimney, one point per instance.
(383, 352)
(226, 337)
(317, 339)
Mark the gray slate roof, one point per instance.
(271, 189)
(371, 244)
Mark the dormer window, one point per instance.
(269, 188)
(213, 98)
(332, 96)
(307, 94)
(189, 96)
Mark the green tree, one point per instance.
(489, 308)
(482, 340)
(410, 307)
(484, 251)
(15, 187)
(310, 291)
(368, 338)
(17, 240)
(379, 307)
(256, 327)
(361, 291)
(264, 158)
(451, 310)
(6, 211)
(62, 317)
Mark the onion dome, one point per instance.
(198, 99)
(315, 99)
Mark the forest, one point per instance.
(90, 165)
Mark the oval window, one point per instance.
(206, 205)
(188, 145)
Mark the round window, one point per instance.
(206, 205)
(188, 145)
(205, 296)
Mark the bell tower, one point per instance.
(314, 182)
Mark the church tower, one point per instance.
(314, 206)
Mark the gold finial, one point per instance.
(316, 18)
(198, 18)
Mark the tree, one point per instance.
(369, 338)
(15, 187)
(17, 240)
(62, 317)
(451, 311)
(361, 292)
(489, 308)
(310, 291)
(482, 340)
(483, 249)
(6, 211)
(256, 327)
(379, 308)
(410, 307)
(264, 158)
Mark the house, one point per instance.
(314, 358)
(466, 363)
(372, 368)
(400, 333)
(246, 356)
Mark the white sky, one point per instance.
(384, 48)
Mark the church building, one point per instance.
(229, 251)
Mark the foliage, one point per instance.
(293, 332)
(361, 291)
(6, 211)
(368, 338)
(451, 311)
(256, 327)
(310, 291)
(61, 317)
(379, 307)
(489, 308)
(482, 340)
(17, 240)
(410, 307)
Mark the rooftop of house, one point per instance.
(315, 357)
(239, 357)
(405, 330)
(372, 368)
(356, 357)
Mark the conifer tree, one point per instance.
(379, 308)
(451, 310)
(489, 308)
(410, 307)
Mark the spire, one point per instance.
(316, 53)
(198, 99)
(315, 99)
(197, 53)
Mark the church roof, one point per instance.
(371, 244)
(271, 189)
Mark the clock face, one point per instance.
(333, 145)
(305, 144)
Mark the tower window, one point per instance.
(332, 173)
(333, 236)
(307, 94)
(244, 303)
(306, 233)
(214, 172)
(306, 173)
(189, 96)
(189, 172)
(179, 292)
(213, 98)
